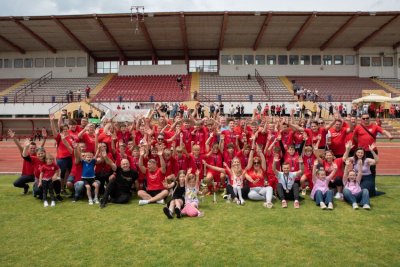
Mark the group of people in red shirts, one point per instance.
(182, 159)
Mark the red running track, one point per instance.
(11, 162)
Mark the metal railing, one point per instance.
(32, 85)
(263, 85)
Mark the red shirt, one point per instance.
(312, 137)
(181, 163)
(104, 167)
(309, 163)
(196, 164)
(76, 170)
(255, 176)
(244, 159)
(62, 150)
(287, 137)
(364, 138)
(200, 137)
(292, 160)
(48, 171)
(104, 138)
(89, 140)
(338, 141)
(155, 180)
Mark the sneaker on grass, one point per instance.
(45, 204)
(161, 201)
(355, 206)
(366, 207)
(167, 213)
(143, 202)
(53, 203)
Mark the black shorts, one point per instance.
(89, 181)
(153, 193)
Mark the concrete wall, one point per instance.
(58, 72)
(152, 70)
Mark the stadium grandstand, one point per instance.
(229, 57)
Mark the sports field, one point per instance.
(76, 234)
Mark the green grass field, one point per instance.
(76, 234)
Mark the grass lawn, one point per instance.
(76, 234)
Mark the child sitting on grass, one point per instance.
(178, 197)
(321, 193)
(191, 191)
(352, 192)
(48, 173)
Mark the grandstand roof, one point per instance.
(179, 35)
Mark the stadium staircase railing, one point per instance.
(31, 86)
(263, 85)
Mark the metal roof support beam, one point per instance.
(262, 31)
(146, 34)
(339, 31)
(182, 23)
(72, 36)
(375, 33)
(16, 47)
(110, 37)
(303, 28)
(223, 30)
(34, 35)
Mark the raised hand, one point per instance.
(372, 147)
(51, 116)
(349, 145)
(11, 134)
(27, 142)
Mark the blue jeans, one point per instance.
(368, 182)
(65, 164)
(78, 186)
(362, 197)
(326, 198)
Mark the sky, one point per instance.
(70, 7)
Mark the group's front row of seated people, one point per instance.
(179, 160)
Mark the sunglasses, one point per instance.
(319, 123)
(160, 139)
(256, 162)
(366, 118)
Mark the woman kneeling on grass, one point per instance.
(352, 192)
(321, 193)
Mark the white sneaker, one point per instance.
(355, 206)
(90, 202)
(242, 202)
(330, 206)
(161, 201)
(322, 205)
(338, 196)
(45, 204)
(366, 207)
(304, 192)
(143, 202)
(96, 200)
(53, 203)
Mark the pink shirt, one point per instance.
(321, 185)
(354, 187)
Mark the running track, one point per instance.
(11, 162)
